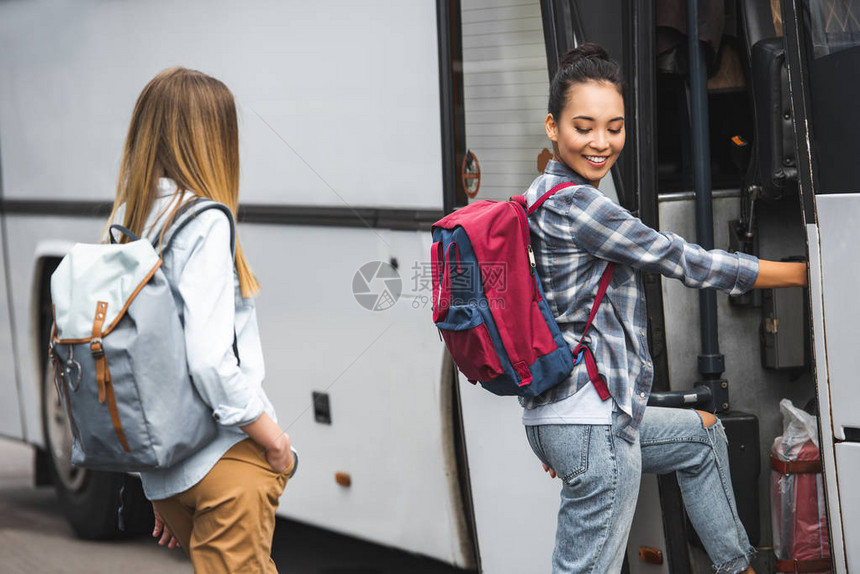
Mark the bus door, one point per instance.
(496, 147)
(823, 50)
(499, 63)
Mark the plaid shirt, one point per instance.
(574, 234)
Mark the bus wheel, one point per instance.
(89, 499)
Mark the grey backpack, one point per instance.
(118, 347)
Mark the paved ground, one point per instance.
(35, 539)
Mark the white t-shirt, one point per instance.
(584, 407)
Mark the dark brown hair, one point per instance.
(585, 63)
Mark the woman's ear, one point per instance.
(551, 128)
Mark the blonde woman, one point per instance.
(219, 503)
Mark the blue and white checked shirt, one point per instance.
(574, 234)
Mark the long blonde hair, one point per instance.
(184, 127)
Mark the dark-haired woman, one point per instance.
(600, 448)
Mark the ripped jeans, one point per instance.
(600, 476)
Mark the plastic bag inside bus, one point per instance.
(798, 514)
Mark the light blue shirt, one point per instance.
(205, 285)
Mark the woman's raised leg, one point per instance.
(694, 446)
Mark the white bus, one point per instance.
(362, 123)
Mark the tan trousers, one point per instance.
(226, 521)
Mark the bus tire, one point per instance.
(90, 500)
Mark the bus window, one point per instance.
(832, 26)
(505, 86)
(833, 56)
(499, 91)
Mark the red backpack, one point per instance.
(489, 306)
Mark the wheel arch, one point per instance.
(46, 259)
(457, 463)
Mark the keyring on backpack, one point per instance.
(73, 382)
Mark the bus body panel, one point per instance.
(833, 277)
(848, 465)
(338, 107)
(825, 423)
(380, 370)
(840, 246)
(11, 424)
(35, 238)
(338, 104)
(515, 501)
(647, 529)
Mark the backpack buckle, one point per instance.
(96, 348)
(522, 370)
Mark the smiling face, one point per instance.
(588, 135)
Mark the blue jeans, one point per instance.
(600, 484)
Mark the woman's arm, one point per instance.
(266, 433)
(603, 228)
(208, 292)
(777, 274)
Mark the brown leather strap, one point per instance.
(53, 325)
(114, 416)
(98, 350)
(799, 566)
(795, 466)
(103, 373)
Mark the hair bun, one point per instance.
(585, 51)
(585, 63)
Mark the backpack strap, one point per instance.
(122, 229)
(564, 185)
(594, 375)
(183, 218)
(103, 378)
(581, 351)
(187, 213)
